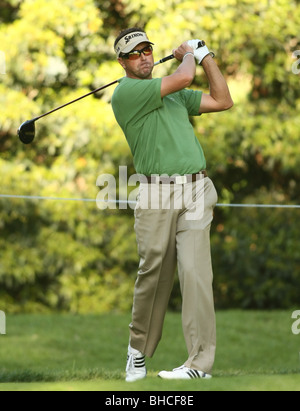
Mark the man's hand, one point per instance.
(199, 53)
(181, 51)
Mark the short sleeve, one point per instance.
(192, 100)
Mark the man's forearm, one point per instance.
(219, 90)
(188, 66)
(185, 73)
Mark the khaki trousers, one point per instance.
(172, 224)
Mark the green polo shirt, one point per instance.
(158, 131)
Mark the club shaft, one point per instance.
(77, 99)
(93, 92)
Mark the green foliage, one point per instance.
(72, 256)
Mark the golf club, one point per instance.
(26, 130)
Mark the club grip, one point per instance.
(201, 43)
(170, 57)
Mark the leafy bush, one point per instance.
(256, 257)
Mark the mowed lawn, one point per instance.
(256, 351)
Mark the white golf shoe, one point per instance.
(183, 373)
(136, 368)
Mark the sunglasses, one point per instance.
(136, 54)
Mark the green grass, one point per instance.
(256, 351)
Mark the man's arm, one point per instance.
(184, 75)
(219, 98)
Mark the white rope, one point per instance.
(259, 205)
(90, 200)
(85, 200)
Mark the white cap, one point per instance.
(130, 41)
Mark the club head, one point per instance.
(26, 131)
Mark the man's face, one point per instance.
(141, 68)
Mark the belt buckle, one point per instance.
(181, 180)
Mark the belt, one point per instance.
(188, 178)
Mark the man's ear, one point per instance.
(121, 61)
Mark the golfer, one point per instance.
(176, 198)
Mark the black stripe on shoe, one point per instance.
(193, 374)
(139, 362)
